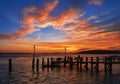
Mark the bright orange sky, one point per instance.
(53, 25)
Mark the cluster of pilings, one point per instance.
(51, 62)
(78, 62)
(35, 62)
(94, 63)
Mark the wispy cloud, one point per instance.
(6, 36)
(96, 2)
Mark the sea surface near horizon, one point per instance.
(22, 72)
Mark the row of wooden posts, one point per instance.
(78, 63)
(58, 62)
(33, 65)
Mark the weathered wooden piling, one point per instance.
(10, 65)
(81, 60)
(33, 63)
(51, 62)
(86, 64)
(91, 63)
(58, 60)
(37, 65)
(71, 62)
(43, 62)
(118, 58)
(105, 64)
(65, 61)
(48, 63)
(78, 60)
(97, 64)
(110, 65)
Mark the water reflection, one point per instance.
(62, 76)
(23, 74)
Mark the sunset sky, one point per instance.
(54, 24)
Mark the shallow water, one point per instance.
(22, 72)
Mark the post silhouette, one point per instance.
(91, 63)
(51, 62)
(81, 60)
(33, 61)
(43, 62)
(97, 64)
(65, 61)
(110, 65)
(86, 64)
(37, 65)
(65, 51)
(33, 64)
(48, 62)
(10, 65)
(105, 64)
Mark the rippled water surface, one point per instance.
(22, 72)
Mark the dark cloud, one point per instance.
(7, 36)
(84, 49)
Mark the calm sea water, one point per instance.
(23, 74)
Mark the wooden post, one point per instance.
(33, 64)
(65, 61)
(118, 58)
(42, 62)
(105, 64)
(54, 62)
(81, 60)
(59, 62)
(71, 62)
(51, 62)
(48, 62)
(97, 64)
(10, 65)
(37, 65)
(78, 60)
(110, 65)
(91, 63)
(86, 64)
(65, 51)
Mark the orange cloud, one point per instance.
(35, 19)
(68, 17)
(32, 19)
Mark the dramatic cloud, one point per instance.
(80, 29)
(31, 20)
(37, 18)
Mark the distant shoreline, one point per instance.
(99, 52)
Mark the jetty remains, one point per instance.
(82, 62)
